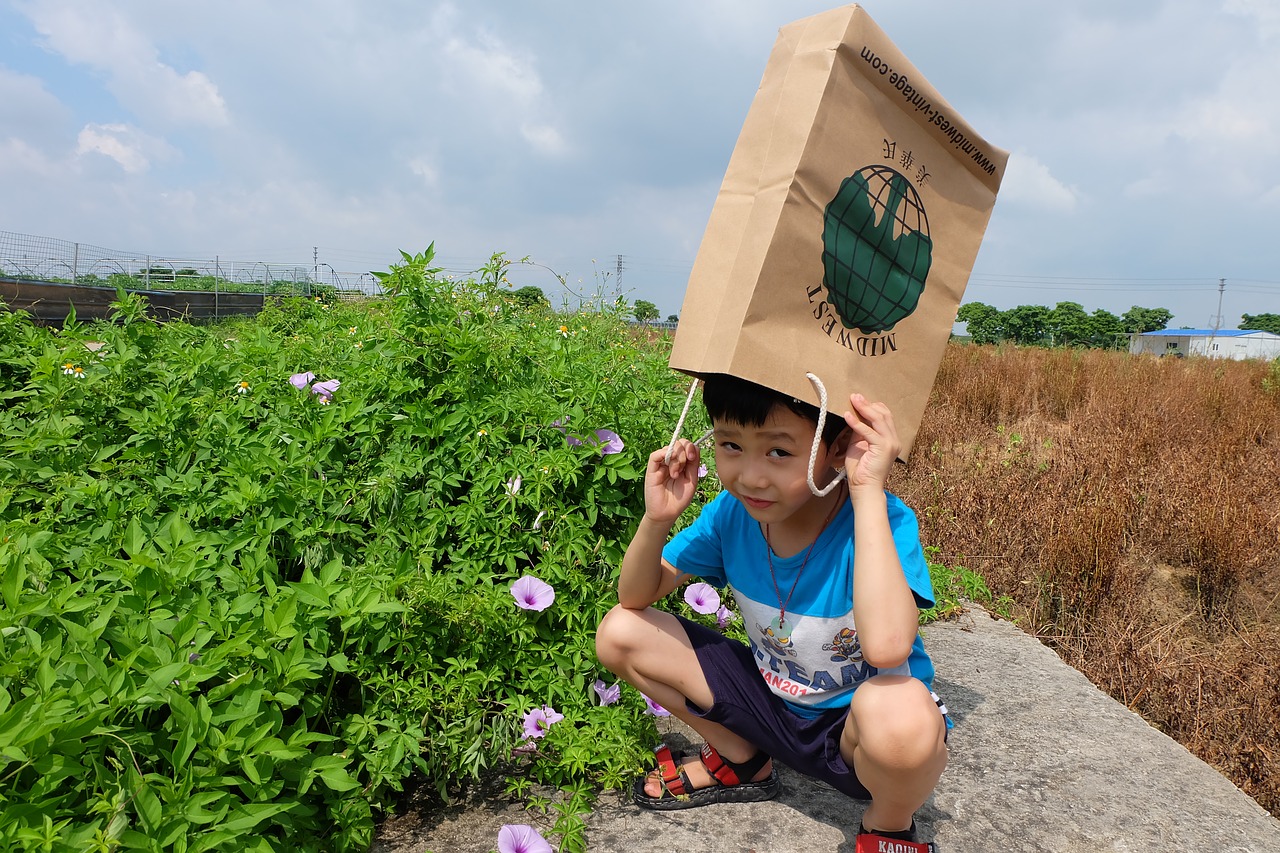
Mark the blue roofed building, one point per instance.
(1222, 343)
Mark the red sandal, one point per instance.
(730, 782)
(879, 841)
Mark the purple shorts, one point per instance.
(746, 706)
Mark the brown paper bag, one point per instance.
(845, 229)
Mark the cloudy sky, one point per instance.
(1144, 135)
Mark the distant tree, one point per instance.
(673, 318)
(983, 322)
(1138, 320)
(1069, 325)
(1027, 324)
(1261, 323)
(1108, 330)
(531, 297)
(644, 310)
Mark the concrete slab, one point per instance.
(1041, 760)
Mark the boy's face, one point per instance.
(766, 467)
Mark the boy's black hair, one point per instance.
(738, 401)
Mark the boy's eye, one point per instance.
(728, 445)
(778, 453)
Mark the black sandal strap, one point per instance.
(731, 772)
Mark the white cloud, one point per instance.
(1264, 12)
(95, 34)
(1029, 182)
(424, 168)
(544, 138)
(132, 149)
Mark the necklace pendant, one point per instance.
(779, 628)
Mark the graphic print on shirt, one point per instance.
(845, 645)
(777, 643)
(818, 664)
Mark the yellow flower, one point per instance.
(482, 432)
(242, 388)
(79, 373)
(564, 331)
(69, 369)
(359, 345)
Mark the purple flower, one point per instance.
(532, 594)
(325, 389)
(537, 721)
(702, 597)
(702, 470)
(537, 522)
(301, 380)
(513, 485)
(521, 838)
(654, 708)
(608, 441)
(723, 617)
(560, 425)
(608, 695)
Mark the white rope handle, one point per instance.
(817, 439)
(688, 401)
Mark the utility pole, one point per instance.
(315, 263)
(1217, 318)
(618, 276)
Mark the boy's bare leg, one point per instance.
(650, 650)
(895, 739)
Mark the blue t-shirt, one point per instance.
(813, 660)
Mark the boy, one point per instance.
(849, 705)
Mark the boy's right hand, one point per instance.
(670, 484)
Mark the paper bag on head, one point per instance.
(845, 229)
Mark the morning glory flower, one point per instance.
(532, 594)
(608, 441)
(324, 390)
(537, 522)
(608, 695)
(723, 617)
(560, 425)
(654, 708)
(702, 597)
(513, 485)
(301, 380)
(702, 470)
(537, 721)
(521, 838)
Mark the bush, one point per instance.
(239, 614)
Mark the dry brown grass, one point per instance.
(1130, 506)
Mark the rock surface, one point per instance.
(1041, 760)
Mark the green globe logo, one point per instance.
(876, 249)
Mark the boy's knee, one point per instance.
(898, 715)
(613, 636)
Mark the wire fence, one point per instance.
(30, 258)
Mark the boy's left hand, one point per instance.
(874, 445)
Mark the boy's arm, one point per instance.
(669, 488)
(884, 608)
